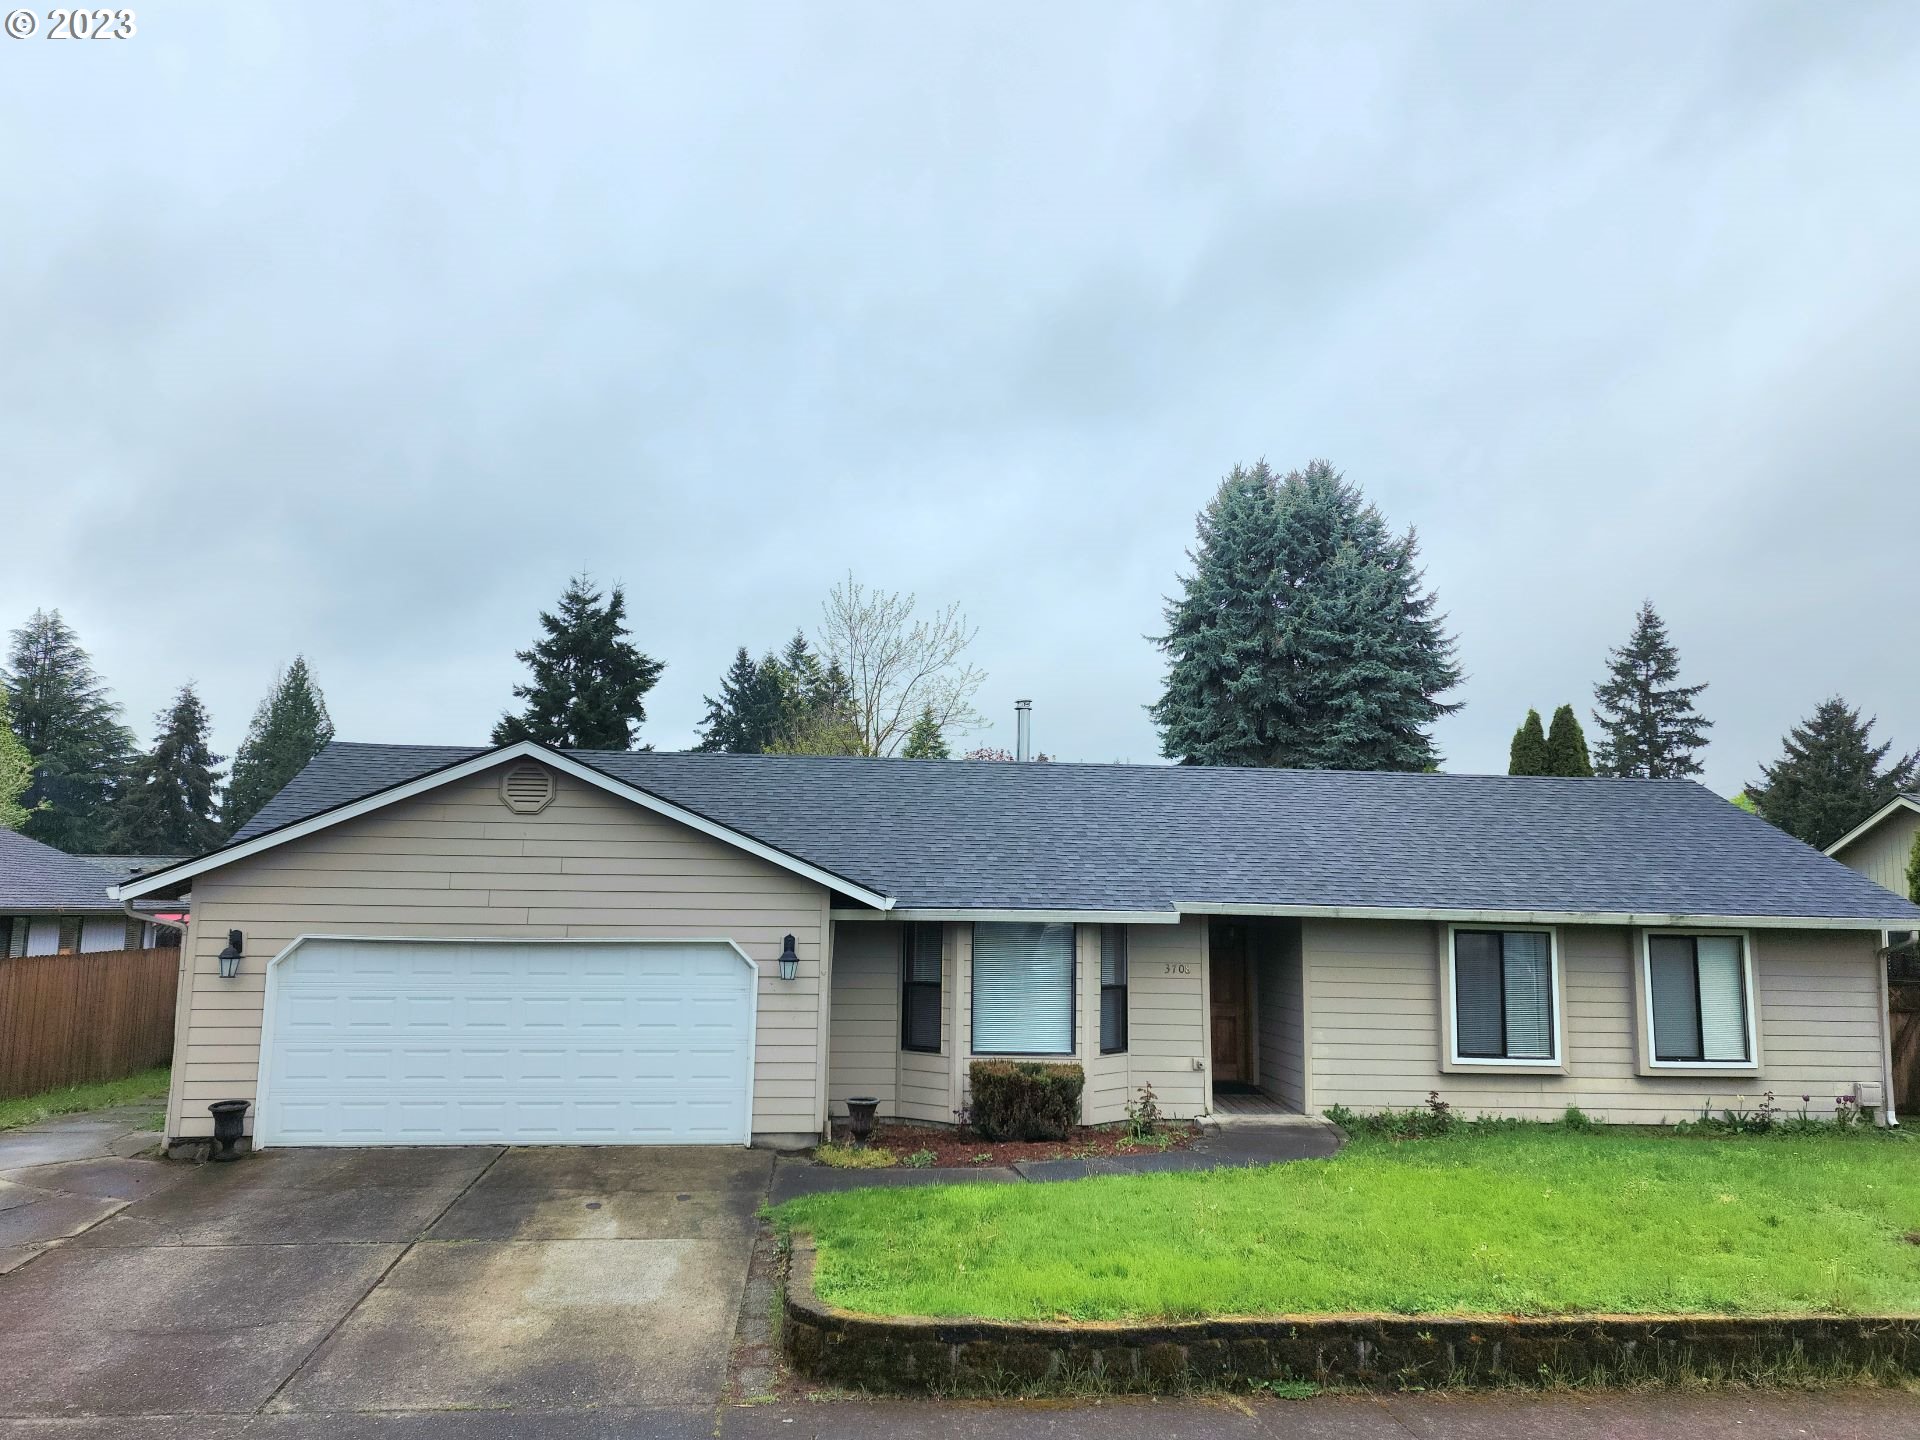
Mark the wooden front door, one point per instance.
(1227, 997)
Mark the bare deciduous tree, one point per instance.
(898, 665)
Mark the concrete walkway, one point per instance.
(65, 1174)
(1219, 1147)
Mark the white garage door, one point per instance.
(419, 1042)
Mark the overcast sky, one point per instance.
(355, 329)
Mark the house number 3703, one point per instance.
(1177, 969)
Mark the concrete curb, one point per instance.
(1386, 1352)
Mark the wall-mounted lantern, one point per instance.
(231, 956)
(789, 961)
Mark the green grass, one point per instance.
(1531, 1222)
(29, 1109)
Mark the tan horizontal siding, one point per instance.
(1374, 1026)
(1883, 852)
(864, 1018)
(457, 864)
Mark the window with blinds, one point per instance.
(1697, 995)
(1503, 996)
(920, 987)
(1022, 989)
(1113, 989)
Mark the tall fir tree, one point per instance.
(1305, 635)
(1528, 753)
(168, 805)
(926, 741)
(16, 770)
(71, 727)
(1567, 746)
(1650, 726)
(1831, 776)
(745, 716)
(289, 727)
(590, 682)
(1913, 870)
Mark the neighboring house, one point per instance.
(54, 903)
(1880, 847)
(442, 946)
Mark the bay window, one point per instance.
(920, 987)
(1022, 989)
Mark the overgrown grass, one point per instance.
(30, 1109)
(1534, 1221)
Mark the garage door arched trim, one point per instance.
(263, 1138)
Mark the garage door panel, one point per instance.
(409, 1042)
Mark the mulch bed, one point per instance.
(955, 1148)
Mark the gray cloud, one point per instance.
(355, 329)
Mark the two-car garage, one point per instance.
(458, 1042)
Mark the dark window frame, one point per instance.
(1119, 932)
(1699, 1057)
(912, 989)
(1502, 1057)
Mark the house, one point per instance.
(427, 945)
(53, 903)
(1881, 846)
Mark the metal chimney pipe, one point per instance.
(1023, 729)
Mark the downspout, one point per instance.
(1886, 1043)
(126, 907)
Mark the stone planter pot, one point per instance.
(229, 1124)
(860, 1113)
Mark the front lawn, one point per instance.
(73, 1099)
(1532, 1222)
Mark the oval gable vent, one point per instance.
(527, 788)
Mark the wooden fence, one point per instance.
(1903, 1005)
(73, 1019)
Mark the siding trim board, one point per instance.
(525, 749)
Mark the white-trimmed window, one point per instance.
(1506, 992)
(1022, 989)
(1698, 993)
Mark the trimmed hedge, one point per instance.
(1025, 1099)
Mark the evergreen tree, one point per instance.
(289, 727)
(1831, 776)
(1528, 753)
(925, 741)
(1305, 635)
(1567, 746)
(71, 728)
(1652, 729)
(589, 684)
(746, 715)
(1913, 870)
(16, 770)
(168, 805)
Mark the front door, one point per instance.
(1227, 987)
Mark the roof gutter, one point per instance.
(132, 914)
(1637, 919)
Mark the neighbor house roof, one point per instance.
(981, 836)
(122, 867)
(36, 877)
(1907, 803)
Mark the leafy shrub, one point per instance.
(1025, 1099)
(1143, 1115)
(1436, 1119)
(919, 1160)
(1577, 1119)
(846, 1157)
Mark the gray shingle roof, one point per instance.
(984, 835)
(36, 877)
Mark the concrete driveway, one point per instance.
(385, 1283)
